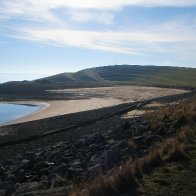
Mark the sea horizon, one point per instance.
(6, 77)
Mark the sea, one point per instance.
(10, 112)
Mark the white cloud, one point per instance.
(138, 42)
(26, 11)
(108, 41)
(84, 16)
(170, 37)
(43, 9)
(100, 4)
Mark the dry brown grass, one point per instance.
(175, 116)
(177, 153)
(131, 144)
(177, 145)
(125, 178)
(185, 134)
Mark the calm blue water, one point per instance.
(10, 112)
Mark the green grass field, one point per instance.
(132, 74)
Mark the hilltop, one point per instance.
(163, 76)
(128, 74)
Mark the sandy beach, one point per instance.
(123, 92)
(92, 98)
(55, 108)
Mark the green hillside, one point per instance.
(147, 75)
(179, 77)
(130, 74)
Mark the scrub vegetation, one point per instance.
(168, 168)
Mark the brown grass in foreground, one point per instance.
(173, 116)
(125, 179)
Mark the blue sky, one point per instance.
(46, 37)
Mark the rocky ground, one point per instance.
(74, 156)
(80, 158)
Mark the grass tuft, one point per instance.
(177, 152)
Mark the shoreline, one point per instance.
(55, 108)
(87, 99)
(24, 130)
(41, 106)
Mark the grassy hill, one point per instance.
(164, 76)
(147, 75)
(131, 74)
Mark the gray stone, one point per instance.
(20, 175)
(93, 148)
(2, 192)
(60, 168)
(29, 155)
(139, 139)
(19, 156)
(58, 181)
(40, 166)
(76, 164)
(74, 172)
(43, 172)
(55, 154)
(25, 161)
(112, 158)
(8, 187)
(27, 187)
(60, 144)
(122, 144)
(98, 168)
(79, 155)
(11, 178)
(2, 169)
(38, 154)
(95, 160)
(67, 153)
(142, 128)
(152, 139)
(111, 142)
(125, 126)
(16, 186)
(97, 139)
(44, 181)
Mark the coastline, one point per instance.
(41, 106)
(55, 108)
(88, 99)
